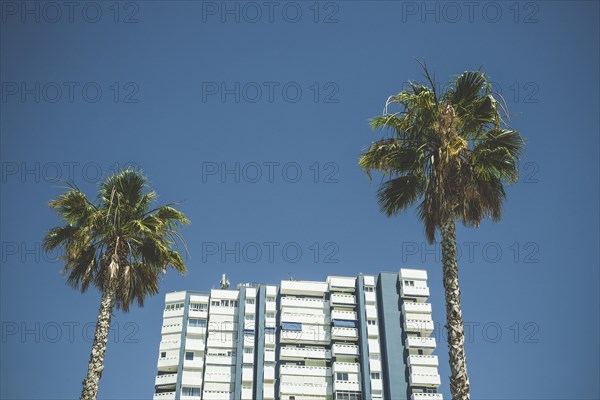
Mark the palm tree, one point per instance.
(451, 152)
(119, 244)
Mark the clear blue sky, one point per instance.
(162, 106)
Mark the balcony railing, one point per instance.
(427, 396)
(305, 352)
(166, 379)
(304, 370)
(415, 359)
(164, 396)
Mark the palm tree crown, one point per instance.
(450, 150)
(119, 242)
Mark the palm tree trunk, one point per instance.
(96, 364)
(459, 380)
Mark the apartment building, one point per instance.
(351, 338)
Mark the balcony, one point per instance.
(219, 360)
(164, 396)
(270, 356)
(246, 393)
(429, 380)
(345, 315)
(414, 291)
(269, 374)
(376, 385)
(303, 288)
(303, 370)
(247, 374)
(223, 340)
(344, 349)
(421, 326)
(314, 334)
(191, 377)
(214, 395)
(197, 362)
(374, 347)
(173, 328)
(343, 299)
(194, 344)
(414, 359)
(413, 274)
(196, 330)
(372, 330)
(353, 386)
(341, 283)
(221, 310)
(321, 319)
(304, 302)
(344, 333)
(168, 363)
(370, 297)
(173, 313)
(300, 353)
(269, 392)
(427, 344)
(166, 379)
(313, 389)
(427, 396)
(419, 308)
(226, 378)
(352, 368)
(169, 345)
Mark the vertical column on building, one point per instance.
(186, 305)
(237, 392)
(365, 371)
(271, 349)
(222, 344)
(422, 366)
(391, 335)
(259, 344)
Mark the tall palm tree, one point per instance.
(119, 244)
(451, 152)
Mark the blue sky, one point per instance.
(254, 118)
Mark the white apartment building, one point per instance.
(351, 338)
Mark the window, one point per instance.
(371, 322)
(409, 283)
(249, 332)
(291, 326)
(270, 330)
(163, 354)
(369, 289)
(198, 307)
(348, 395)
(249, 301)
(248, 350)
(430, 390)
(215, 303)
(197, 323)
(341, 376)
(249, 317)
(189, 355)
(270, 298)
(375, 375)
(342, 323)
(190, 391)
(270, 315)
(174, 307)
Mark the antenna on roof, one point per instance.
(224, 282)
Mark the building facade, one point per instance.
(350, 338)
